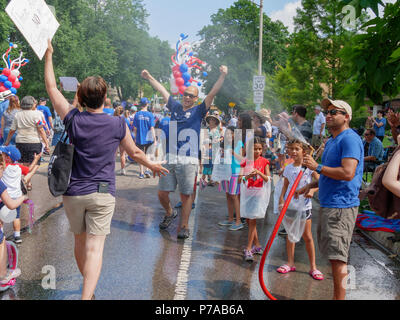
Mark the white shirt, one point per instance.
(291, 173)
(233, 122)
(268, 126)
(318, 122)
(12, 179)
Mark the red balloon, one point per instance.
(182, 89)
(17, 84)
(175, 68)
(3, 88)
(179, 82)
(6, 72)
(12, 78)
(177, 74)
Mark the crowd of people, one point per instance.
(186, 144)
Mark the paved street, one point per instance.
(142, 262)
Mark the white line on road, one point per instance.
(183, 272)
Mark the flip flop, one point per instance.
(285, 269)
(316, 275)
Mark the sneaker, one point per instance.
(11, 274)
(183, 234)
(257, 250)
(122, 172)
(203, 184)
(17, 240)
(282, 232)
(226, 223)
(248, 256)
(235, 227)
(193, 206)
(168, 220)
(141, 176)
(178, 205)
(147, 174)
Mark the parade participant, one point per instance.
(297, 150)
(89, 201)
(8, 117)
(259, 175)
(339, 186)
(144, 132)
(47, 116)
(29, 125)
(232, 186)
(318, 128)
(58, 129)
(118, 112)
(183, 166)
(108, 108)
(12, 177)
(213, 137)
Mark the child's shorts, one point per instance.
(232, 186)
(18, 212)
(1, 235)
(207, 170)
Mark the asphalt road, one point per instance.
(143, 263)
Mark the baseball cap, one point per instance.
(317, 108)
(340, 104)
(42, 99)
(12, 152)
(144, 101)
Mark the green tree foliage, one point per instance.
(233, 39)
(96, 37)
(375, 55)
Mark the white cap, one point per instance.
(340, 104)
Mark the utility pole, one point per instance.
(259, 82)
(260, 50)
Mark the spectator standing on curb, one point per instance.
(299, 118)
(339, 186)
(318, 128)
(373, 150)
(8, 117)
(379, 125)
(183, 166)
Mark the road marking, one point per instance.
(183, 271)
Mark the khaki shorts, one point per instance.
(335, 231)
(90, 213)
(181, 175)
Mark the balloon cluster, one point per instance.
(184, 62)
(10, 78)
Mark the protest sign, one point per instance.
(69, 83)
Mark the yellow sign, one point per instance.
(232, 104)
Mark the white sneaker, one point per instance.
(123, 172)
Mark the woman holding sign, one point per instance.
(89, 201)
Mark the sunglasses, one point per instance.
(334, 112)
(189, 95)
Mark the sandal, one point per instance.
(29, 186)
(316, 275)
(285, 269)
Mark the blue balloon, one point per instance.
(187, 84)
(183, 68)
(186, 76)
(20, 78)
(3, 78)
(199, 84)
(8, 84)
(13, 91)
(205, 74)
(11, 44)
(182, 35)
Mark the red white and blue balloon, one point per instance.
(10, 78)
(184, 61)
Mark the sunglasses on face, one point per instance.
(189, 95)
(334, 112)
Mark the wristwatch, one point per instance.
(319, 168)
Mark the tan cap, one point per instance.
(340, 104)
(264, 113)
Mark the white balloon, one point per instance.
(7, 215)
(16, 73)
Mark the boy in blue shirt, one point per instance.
(144, 132)
(339, 186)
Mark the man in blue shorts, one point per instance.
(339, 186)
(183, 147)
(143, 124)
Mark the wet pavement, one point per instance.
(143, 263)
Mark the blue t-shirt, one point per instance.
(164, 126)
(3, 107)
(380, 131)
(3, 188)
(235, 166)
(144, 121)
(47, 114)
(340, 193)
(187, 142)
(109, 111)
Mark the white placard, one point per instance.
(69, 83)
(258, 97)
(258, 83)
(35, 21)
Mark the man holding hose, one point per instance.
(339, 185)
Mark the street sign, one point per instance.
(258, 83)
(258, 97)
